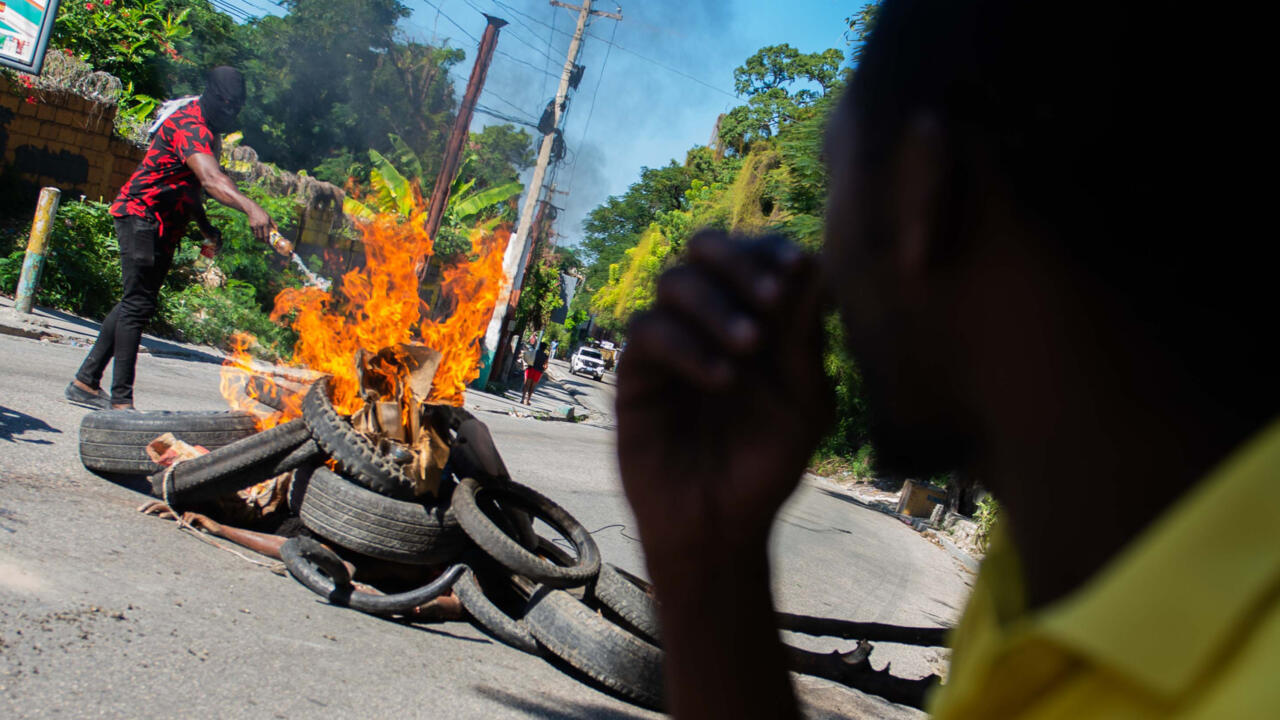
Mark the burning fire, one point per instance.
(378, 307)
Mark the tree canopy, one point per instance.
(781, 85)
(767, 176)
(328, 81)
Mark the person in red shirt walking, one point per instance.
(152, 213)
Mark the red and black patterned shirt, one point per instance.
(164, 188)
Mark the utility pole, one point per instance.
(518, 244)
(461, 128)
(539, 234)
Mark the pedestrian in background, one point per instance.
(534, 373)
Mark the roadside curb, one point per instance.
(918, 525)
(41, 327)
(27, 326)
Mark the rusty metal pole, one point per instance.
(462, 127)
(37, 245)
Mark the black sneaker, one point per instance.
(95, 400)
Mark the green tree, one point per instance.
(333, 78)
(539, 295)
(781, 84)
(616, 226)
(215, 39)
(128, 38)
(501, 153)
(860, 25)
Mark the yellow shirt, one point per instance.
(1184, 623)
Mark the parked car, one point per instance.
(587, 361)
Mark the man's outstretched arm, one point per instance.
(721, 403)
(224, 190)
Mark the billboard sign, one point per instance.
(25, 26)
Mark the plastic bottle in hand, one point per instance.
(280, 243)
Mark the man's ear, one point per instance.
(918, 171)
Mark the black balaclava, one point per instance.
(223, 97)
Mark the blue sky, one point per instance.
(644, 114)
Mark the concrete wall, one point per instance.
(61, 140)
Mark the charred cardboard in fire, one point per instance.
(395, 384)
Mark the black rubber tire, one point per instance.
(628, 597)
(321, 571)
(115, 441)
(378, 526)
(356, 455)
(595, 647)
(507, 551)
(488, 614)
(244, 463)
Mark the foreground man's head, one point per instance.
(1030, 209)
(1043, 239)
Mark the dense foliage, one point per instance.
(327, 82)
(765, 175)
(198, 303)
(335, 89)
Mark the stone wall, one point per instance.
(62, 140)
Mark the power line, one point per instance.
(445, 15)
(526, 63)
(503, 53)
(486, 110)
(665, 67)
(256, 6)
(487, 92)
(550, 39)
(235, 12)
(592, 110)
(517, 11)
(511, 32)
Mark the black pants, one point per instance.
(144, 264)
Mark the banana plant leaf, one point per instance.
(393, 188)
(357, 209)
(471, 206)
(405, 157)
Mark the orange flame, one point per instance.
(250, 390)
(378, 306)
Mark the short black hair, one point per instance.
(1120, 129)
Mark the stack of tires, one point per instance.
(562, 603)
(548, 596)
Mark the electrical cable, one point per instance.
(236, 13)
(486, 110)
(550, 40)
(256, 6)
(666, 67)
(592, 110)
(511, 32)
(530, 17)
(445, 15)
(526, 63)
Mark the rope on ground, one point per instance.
(159, 508)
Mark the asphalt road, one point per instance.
(105, 612)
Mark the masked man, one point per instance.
(152, 213)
